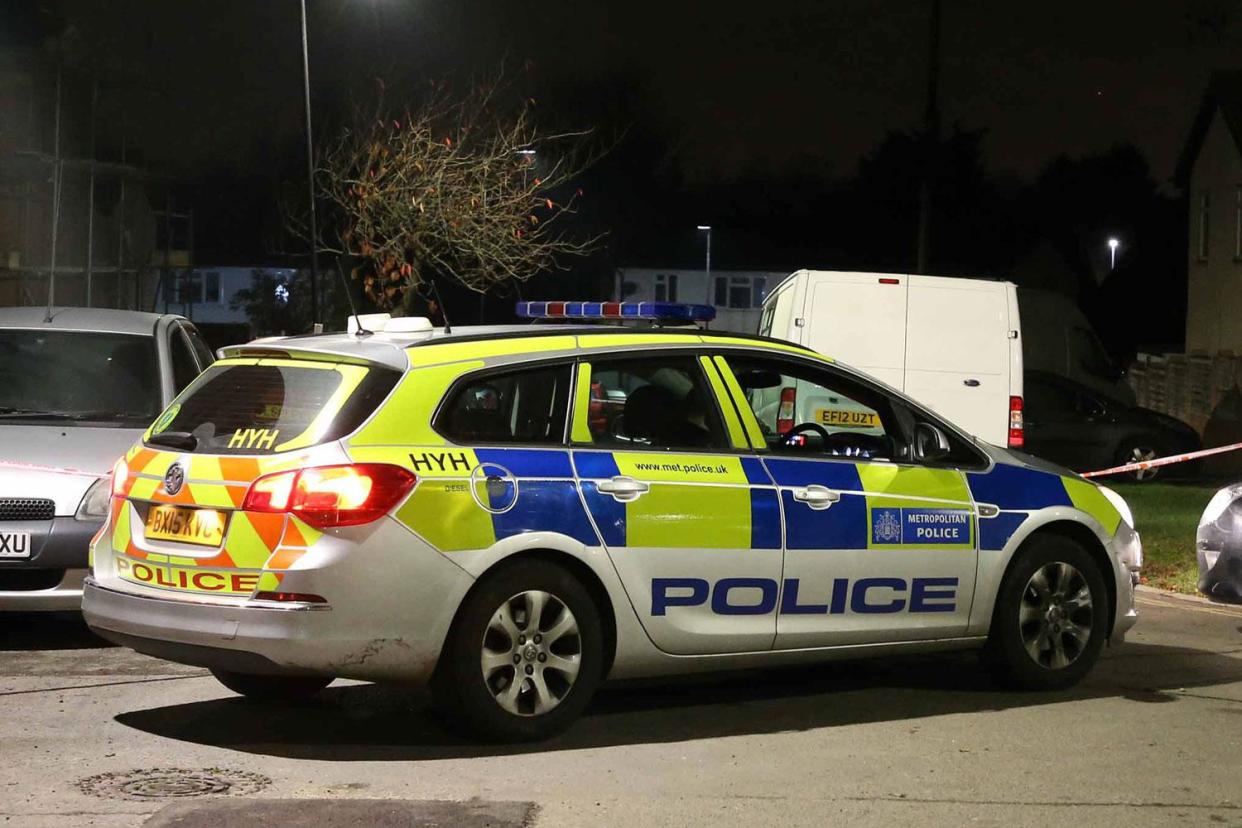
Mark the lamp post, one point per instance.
(310, 177)
(1113, 244)
(707, 228)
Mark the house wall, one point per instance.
(639, 285)
(1213, 323)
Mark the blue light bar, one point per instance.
(652, 311)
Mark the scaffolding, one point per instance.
(77, 228)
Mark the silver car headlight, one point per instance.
(1119, 503)
(94, 505)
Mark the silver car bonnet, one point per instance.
(85, 449)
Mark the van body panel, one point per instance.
(859, 320)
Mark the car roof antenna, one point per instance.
(448, 327)
(353, 311)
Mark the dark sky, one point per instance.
(731, 86)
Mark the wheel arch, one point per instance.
(1084, 537)
(579, 568)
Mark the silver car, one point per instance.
(76, 390)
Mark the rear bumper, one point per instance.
(51, 578)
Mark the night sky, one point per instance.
(733, 87)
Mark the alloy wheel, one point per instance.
(531, 653)
(1055, 617)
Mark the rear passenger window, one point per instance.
(526, 406)
(653, 403)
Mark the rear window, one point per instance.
(81, 376)
(271, 406)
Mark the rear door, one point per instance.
(859, 319)
(958, 352)
(689, 518)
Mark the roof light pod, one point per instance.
(634, 311)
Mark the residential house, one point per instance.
(736, 294)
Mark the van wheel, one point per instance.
(272, 688)
(525, 654)
(1051, 616)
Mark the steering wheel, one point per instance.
(801, 427)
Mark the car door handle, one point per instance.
(817, 497)
(971, 383)
(624, 488)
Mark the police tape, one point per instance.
(12, 464)
(1144, 465)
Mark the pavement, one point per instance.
(1152, 737)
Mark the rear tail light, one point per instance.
(328, 496)
(785, 413)
(288, 597)
(1017, 434)
(120, 476)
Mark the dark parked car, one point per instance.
(1072, 425)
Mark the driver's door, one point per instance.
(877, 547)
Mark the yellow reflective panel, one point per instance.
(444, 513)
(737, 438)
(581, 430)
(676, 468)
(896, 481)
(449, 351)
(749, 420)
(693, 517)
(405, 419)
(629, 340)
(766, 345)
(424, 461)
(1088, 498)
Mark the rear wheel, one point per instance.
(524, 656)
(1137, 451)
(1051, 616)
(272, 688)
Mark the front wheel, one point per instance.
(524, 656)
(1051, 616)
(272, 688)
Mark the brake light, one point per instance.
(328, 496)
(1017, 434)
(120, 476)
(785, 413)
(887, 281)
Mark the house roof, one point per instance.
(1223, 93)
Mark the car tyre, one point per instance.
(525, 654)
(1051, 616)
(272, 688)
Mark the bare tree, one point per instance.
(466, 189)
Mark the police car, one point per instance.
(403, 503)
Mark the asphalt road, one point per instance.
(1153, 737)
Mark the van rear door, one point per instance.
(859, 319)
(958, 352)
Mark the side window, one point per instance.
(653, 403)
(526, 406)
(808, 411)
(184, 366)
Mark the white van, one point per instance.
(952, 344)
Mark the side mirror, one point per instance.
(930, 444)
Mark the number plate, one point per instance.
(14, 544)
(204, 527)
(844, 418)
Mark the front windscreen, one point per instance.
(78, 376)
(268, 406)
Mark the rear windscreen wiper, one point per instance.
(174, 439)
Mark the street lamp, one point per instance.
(1113, 244)
(707, 228)
(310, 176)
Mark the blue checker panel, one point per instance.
(544, 506)
(842, 526)
(755, 475)
(528, 462)
(835, 475)
(1013, 487)
(595, 464)
(608, 513)
(765, 519)
(995, 532)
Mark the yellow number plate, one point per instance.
(843, 418)
(204, 527)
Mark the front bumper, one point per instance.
(51, 578)
(1220, 567)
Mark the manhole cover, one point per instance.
(173, 783)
